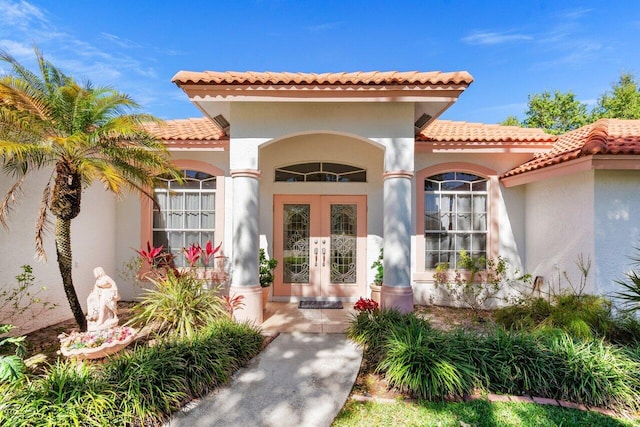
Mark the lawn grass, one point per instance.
(477, 413)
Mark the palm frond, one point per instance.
(52, 76)
(42, 222)
(21, 71)
(20, 95)
(9, 198)
(17, 153)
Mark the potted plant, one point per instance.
(376, 286)
(266, 274)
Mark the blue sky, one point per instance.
(512, 48)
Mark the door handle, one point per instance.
(324, 251)
(315, 251)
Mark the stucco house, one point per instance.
(325, 170)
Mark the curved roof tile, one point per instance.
(453, 131)
(355, 78)
(200, 129)
(605, 136)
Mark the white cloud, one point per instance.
(123, 43)
(493, 38)
(16, 13)
(574, 14)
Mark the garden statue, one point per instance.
(102, 303)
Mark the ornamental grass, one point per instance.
(435, 365)
(142, 386)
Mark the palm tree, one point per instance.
(81, 133)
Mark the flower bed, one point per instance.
(96, 344)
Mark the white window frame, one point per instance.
(440, 193)
(421, 273)
(172, 189)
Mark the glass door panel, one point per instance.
(344, 250)
(295, 257)
(320, 242)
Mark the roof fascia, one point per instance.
(601, 162)
(326, 93)
(524, 147)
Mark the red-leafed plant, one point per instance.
(209, 252)
(192, 253)
(232, 304)
(151, 255)
(365, 305)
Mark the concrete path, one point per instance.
(299, 380)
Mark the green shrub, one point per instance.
(595, 373)
(371, 330)
(137, 387)
(68, 395)
(527, 314)
(581, 315)
(422, 361)
(624, 330)
(265, 269)
(514, 363)
(548, 362)
(178, 304)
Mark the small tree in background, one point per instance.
(560, 112)
(622, 102)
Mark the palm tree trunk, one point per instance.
(65, 263)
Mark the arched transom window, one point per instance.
(185, 213)
(320, 172)
(455, 217)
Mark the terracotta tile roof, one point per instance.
(355, 78)
(200, 129)
(450, 131)
(605, 136)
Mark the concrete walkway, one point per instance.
(298, 380)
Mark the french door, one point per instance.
(320, 244)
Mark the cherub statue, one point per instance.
(102, 303)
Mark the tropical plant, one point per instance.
(178, 304)
(378, 267)
(12, 366)
(630, 294)
(83, 134)
(266, 269)
(232, 304)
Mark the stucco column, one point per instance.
(246, 240)
(396, 289)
